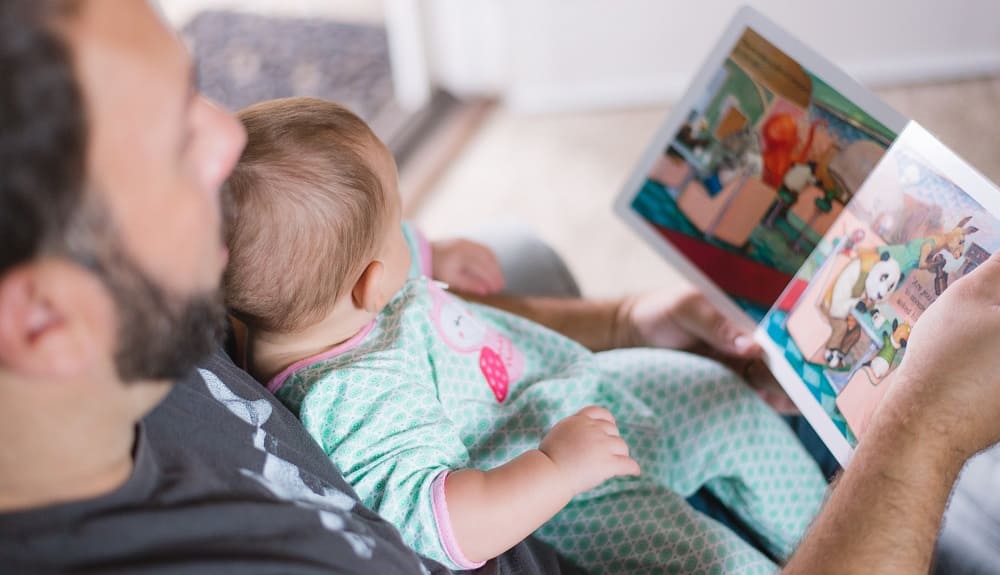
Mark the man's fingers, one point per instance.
(779, 401)
(704, 321)
(995, 260)
(756, 373)
(743, 345)
(982, 281)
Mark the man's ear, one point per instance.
(367, 292)
(51, 321)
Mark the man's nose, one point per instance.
(226, 140)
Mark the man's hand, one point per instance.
(683, 320)
(687, 320)
(943, 406)
(466, 266)
(949, 381)
(588, 449)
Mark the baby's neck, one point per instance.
(268, 353)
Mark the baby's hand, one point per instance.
(588, 449)
(466, 266)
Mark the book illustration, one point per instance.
(845, 319)
(765, 162)
(807, 210)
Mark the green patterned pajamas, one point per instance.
(437, 384)
(689, 422)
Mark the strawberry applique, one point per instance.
(495, 373)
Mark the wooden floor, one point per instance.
(560, 173)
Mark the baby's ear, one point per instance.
(366, 294)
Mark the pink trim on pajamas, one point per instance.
(425, 251)
(277, 381)
(445, 532)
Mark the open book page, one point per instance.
(755, 164)
(921, 221)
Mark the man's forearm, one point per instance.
(598, 325)
(885, 511)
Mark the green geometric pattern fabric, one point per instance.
(440, 384)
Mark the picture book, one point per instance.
(808, 210)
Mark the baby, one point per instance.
(467, 427)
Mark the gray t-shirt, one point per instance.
(225, 481)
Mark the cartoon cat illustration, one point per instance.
(892, 344)
(798, 177)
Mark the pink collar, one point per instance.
(277, 381)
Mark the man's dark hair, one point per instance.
(42, 130)
(44, 206)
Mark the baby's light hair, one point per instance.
(305, 212)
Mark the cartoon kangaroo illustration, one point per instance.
(892, 344)
(952, 240)
(931, 257)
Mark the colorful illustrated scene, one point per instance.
(764, 164)
(844, 321)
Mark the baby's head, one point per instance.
(314, 219)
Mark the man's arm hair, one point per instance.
(885, 511)
(599, 325)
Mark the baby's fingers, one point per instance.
(624, 465)
(485, 268)
(597, 412)
(617, 446)
(488, 267)
(609, 428)
(476, 282)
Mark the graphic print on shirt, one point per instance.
(283, 478)
(499, 361)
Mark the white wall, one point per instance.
(572, 54)
(179, 12)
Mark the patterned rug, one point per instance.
(244, 58)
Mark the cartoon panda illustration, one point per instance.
(869, 278)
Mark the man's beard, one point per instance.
(161, 335)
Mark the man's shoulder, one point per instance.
(224, 480)
(219, 412)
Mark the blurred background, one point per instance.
(536, 111)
